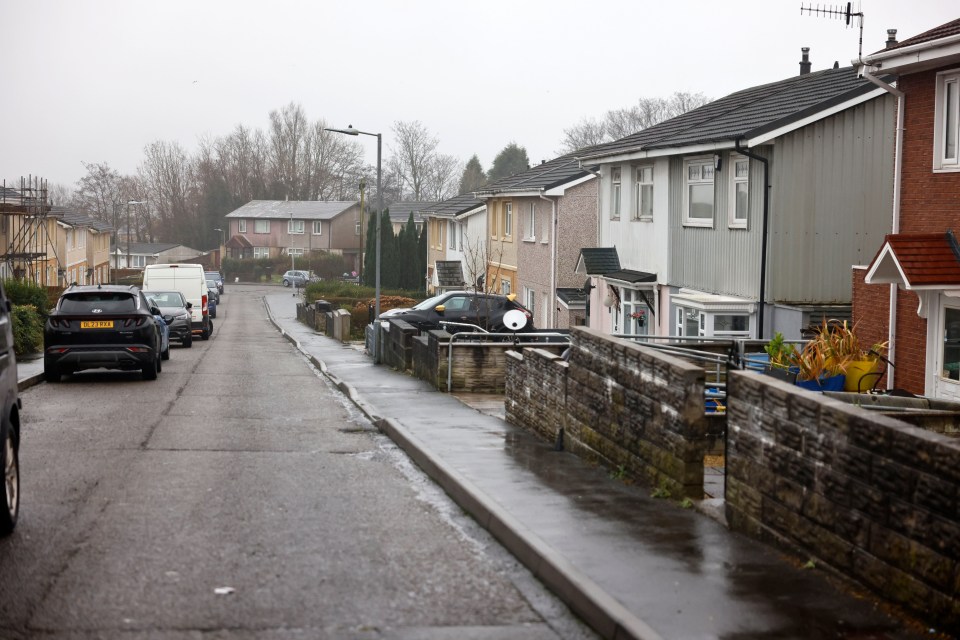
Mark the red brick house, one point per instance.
(916, 271)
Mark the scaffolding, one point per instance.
(28, 249)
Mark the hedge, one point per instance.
(27, 329)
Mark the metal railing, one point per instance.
(480, 337)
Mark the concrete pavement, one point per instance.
(630, 565)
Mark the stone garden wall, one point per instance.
(872, 497)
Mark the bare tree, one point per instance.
(289, 129)
(619, 123)
(413, 154)
(100, 191)
(442, 177)
(167, 176)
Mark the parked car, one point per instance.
(298, 278)
(108, 326)
(486, 310)
(216, 276)
(188, 279)
(9, 422)
(213, 291)
(176, 313)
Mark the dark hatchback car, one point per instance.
(101, 326)
(176, 313)
(485, 310)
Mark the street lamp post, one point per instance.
(130, 202)
(363, 234)
(350, 131)
(223, 245)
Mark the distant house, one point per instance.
(916, 269)
(400, 214)
(742, 218)
(271, 228)
(143, 253)
(538, 220)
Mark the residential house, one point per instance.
(538, 221)
(456, 244)
(270, 228)
(143, 253)
(400, 214)
(916, 270)
(742, 218)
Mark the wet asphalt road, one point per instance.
(241, 469)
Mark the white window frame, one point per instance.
(138, 261)
(261, 252)
(260, 224)
(689, 313)
(295, 251)
(295, 227)
(705, 167)
(733, 220)
(356, 228)
(505, 286)
(616, 192)
(452, 234)
(317, 227)
(530, 300)
(640, 173)
(947, 89)
(636, 314)
(727, 333)
(241, 226)
(507, 220)
(531, 226)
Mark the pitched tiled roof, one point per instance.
(545, 175)
(631, 276)
(286, 209)
(454, 206)
(917, 260)
(951, 28)
(78, 219)
(746, 113)
(599, 261)
(572, 297)
(145, 248)
(400, 211)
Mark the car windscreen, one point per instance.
(167, 298)
(211, 284)
(106, 302)
(429, 303)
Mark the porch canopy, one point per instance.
(917, 261)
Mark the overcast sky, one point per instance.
(98, 80)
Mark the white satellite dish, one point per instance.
(514, 320)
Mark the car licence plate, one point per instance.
(96, 324)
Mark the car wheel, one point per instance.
(51, 372)
(165, 354)
(206, 331)
(10, 461)
(188, 341)
(150, 370)
(286, 282)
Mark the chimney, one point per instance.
(805, 60)
(891, 38)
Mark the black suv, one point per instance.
(485, 310)
(9, 421)
(106, 326)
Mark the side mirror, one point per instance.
(439, 308)
(189, 305)
(155, 311)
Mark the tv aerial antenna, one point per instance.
(839, 12)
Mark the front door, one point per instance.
(944, 357)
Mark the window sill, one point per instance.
(706, 224)
(737, 227)
(947, 169)
(643, 219)
(529, 239)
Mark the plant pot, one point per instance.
(830, 383)
(862, 375)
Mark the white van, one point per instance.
(189, 280)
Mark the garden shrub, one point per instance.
(24, 292)
(27, 329)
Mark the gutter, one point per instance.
(895, 223)
(764, 232)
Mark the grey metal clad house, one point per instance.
(685, 200)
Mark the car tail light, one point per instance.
(204, 304)
(134, 322)
(59, 323)
(138, 349)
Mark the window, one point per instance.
(689, 322)
(261, 226)
(242, 226)
(636, 313)
(294, 251)
(530, 300)
(505, 287)
(731, 325)
(463, 232)
(699, 193)
(643, 207)
(507, 219)
(138, 261)
(951, 344)
(356, 228)
(531, 226)
(295, 226)
(261, 252)
(317, 227)
(946, 135)
(615, 193)
(452, 234)
(493, 224)
(739, 185)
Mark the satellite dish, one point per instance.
(514, 320)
